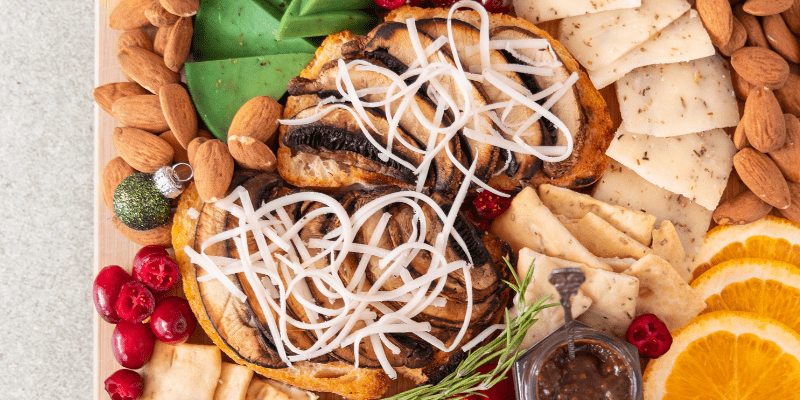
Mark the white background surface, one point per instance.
(46, 194)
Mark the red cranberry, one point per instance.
(497, 6)
(392, 4)
(489, 205)
(124, 385)
(154, 267)
(135, 302)
(650, 336)
(173, 321)
(132, 344)
(105, 291)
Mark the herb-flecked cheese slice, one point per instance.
(696, 165)
(598, 39)
(679, 98)
(621, 186)
(683, 40)
(538, 11)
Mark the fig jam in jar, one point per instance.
(597, 372)
(604, 368)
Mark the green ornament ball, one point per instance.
(139, 204)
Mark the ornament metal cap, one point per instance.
(168, 182)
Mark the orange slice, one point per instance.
(770, 237)
(729, 355)
(766, 287)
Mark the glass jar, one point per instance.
(528, 366)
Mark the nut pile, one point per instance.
(761, 39)
(158, 122)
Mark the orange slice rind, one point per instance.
(770, 237)
(730, 355)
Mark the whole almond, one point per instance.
(761, 67)
(740, 137)
(781, 38)
(742, 209)
(160, 236)
(760, 174)
(755, 33)
(179, 41)
(182, 8)
(717, 17)
(789, 95)
(764, 123)
(134, 38)
(257, 118)
(252, 154)
(191, 150)
(159, 16)
(792, 17)
(142, 150)
(793, 212)
(181, 156)
(179, 112)
(113, 173)
(763, 8)
(141, 111)
(129, 14)
(160, 41)
(106, 95)
(146, 68)
(787, 158)
(213, 170)
(741, 87)
(737, 41)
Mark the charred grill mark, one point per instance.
(310, 138)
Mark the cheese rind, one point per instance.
(696, 165)
(538, 11)
(679, 98)
(683, 40)
(595, 40)
(622, 186)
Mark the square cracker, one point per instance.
(182, 372)
(613, 296)
(529, 223)
(635, 224)
(233, 382)
(550, 319)
(667, 245)
(664, 293)
(603, 239)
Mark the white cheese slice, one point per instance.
(598, 39)
(679, 98)
(538, 11)
(623, 187)
(696, 165)
(683, 40)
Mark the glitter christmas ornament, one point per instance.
(142, 201)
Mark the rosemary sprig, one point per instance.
(465, 381)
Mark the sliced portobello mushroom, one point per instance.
(390, 42)
(338, 136)
(241, 325)
(520, 166)
(447, 176)
(568, 108)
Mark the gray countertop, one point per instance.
(46, 194)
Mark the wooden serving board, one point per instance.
(112, 248)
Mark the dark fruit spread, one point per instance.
(598, 372)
